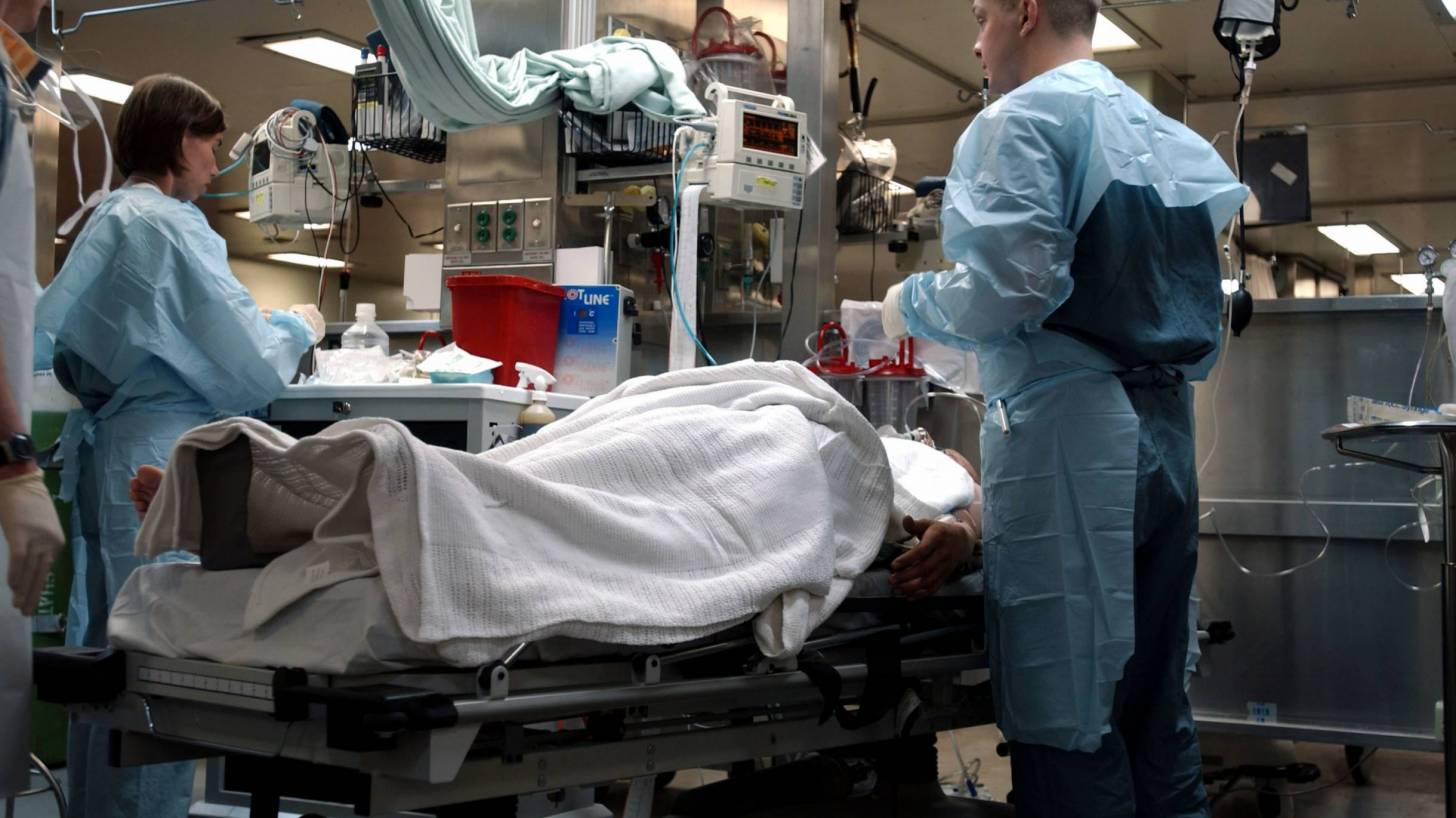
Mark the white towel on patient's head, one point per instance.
(928, 483)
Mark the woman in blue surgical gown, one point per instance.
(154, 336)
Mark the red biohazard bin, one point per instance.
(508, 319)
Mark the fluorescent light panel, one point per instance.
(319, 50)
(245, 216)
(1415, 283)
(1109, 36)
(1360, 240)
(305, 260)
(1450, 8)
(99, 87)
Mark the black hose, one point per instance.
(869, 95)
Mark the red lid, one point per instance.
(839, 363)
(476, 280)
(721, 48)
(901, 366)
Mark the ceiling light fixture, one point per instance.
(317, 47)
(305, 260)
(1109, 36)
(1360, 240)
(98, 87)
(1415, 283)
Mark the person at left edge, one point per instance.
(154, 336)
(30, 533)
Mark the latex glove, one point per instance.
(28, 518)
(944, 548)
(311, 316)
(891, 318)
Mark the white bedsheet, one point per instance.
(669, 509)
(180, 611)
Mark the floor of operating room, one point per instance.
(1405, 784)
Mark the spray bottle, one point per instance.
(537, 413)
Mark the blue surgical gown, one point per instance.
(153, 335)
(1083, 227)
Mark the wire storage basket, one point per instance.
(386, 119)
(865, 203)
(621, 138)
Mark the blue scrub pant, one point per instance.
(1149, 765)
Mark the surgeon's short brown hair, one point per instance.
(1068, 17)
(160, 110)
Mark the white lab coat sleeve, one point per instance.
(1006, 224)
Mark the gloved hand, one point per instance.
(33, 533)
(890, 317)
(311, 316)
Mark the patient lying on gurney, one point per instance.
(938, 549)
(667, 511)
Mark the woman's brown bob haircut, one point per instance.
(161, 109)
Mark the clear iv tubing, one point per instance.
(1415, 376)
(976, 403)
(1391, 569)
(833, 348)
(1212, 516)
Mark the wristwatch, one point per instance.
(18, 449)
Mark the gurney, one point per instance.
(388, 723)
(433, 737)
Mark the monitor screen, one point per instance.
(770, 134)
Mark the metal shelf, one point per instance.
(630, 172)
(882, 237)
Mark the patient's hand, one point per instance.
(944, 547)
(144, 488)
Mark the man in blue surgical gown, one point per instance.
(153, 335)
(1083, 225)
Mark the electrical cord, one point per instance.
(395, 208)
(874, 256)
(1255, 788)
(1321, 788)
(793, 275)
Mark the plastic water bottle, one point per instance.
(365, 334)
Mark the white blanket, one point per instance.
(669, 509)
